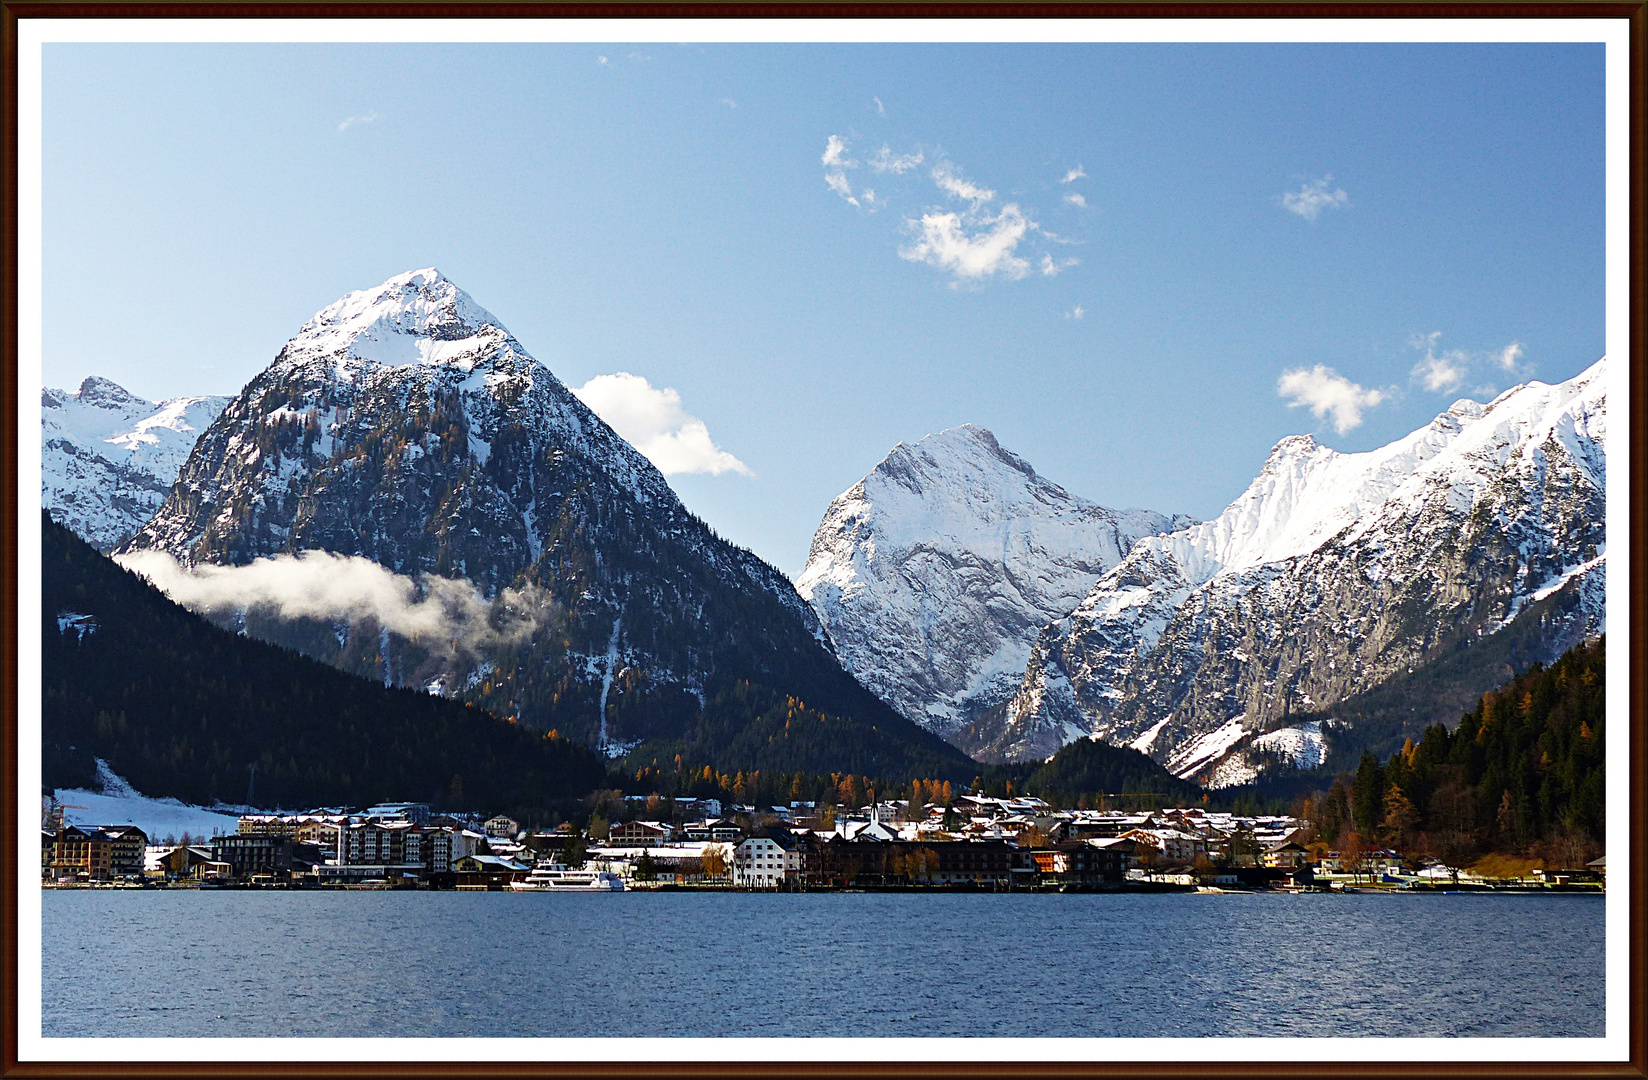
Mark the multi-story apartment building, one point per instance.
(98, 853)
(276, 856)
(78, 852)
(446, 846)
(383, 843)
(765, 862)
(126, 844)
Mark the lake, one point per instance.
(269, 963)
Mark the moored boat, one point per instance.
(557, 877)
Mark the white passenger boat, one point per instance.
(556, 877)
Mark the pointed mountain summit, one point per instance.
(934, 574)
(406, 425)
(1331, 575)
(108, 457)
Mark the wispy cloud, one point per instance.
(1328, 395)
(944, 175)
(1051, 267)
(886, 161)
(1073, 175)
(729, 103)
(881, 110)
(1076, 312)
(836, 163)
(1314, 197)
(1447, 370)
(652, 420)
(1075, 198)
(978, 241)
(351, 121)
(603, 61)
(971, 251)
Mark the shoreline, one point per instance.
(1130, 888)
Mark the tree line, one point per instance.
(1522, 775)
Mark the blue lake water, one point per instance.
(316, 964)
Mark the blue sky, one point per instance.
(1264, 240)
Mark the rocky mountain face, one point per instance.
(404, 424)
(936, 572)
(108, 457)
(1331, 575)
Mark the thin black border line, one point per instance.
(1637, 14)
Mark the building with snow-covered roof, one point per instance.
(640, 834)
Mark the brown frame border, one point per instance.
(11, 11)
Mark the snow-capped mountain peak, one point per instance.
(934, 573)
(100, 393)
(418, 317)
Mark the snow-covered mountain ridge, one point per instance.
(108, 457)
(1328, 574)
(934, 574)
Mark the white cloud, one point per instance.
(835, 154)
(887, 161)
(1076, 312)
(1448, 370)
(603, 61)
(1327, 394)
(972, 244)
(836, 163)
(946, 243)
(944, 175)
(1441, 373)
(441, 614)
(881, 110)
(1314, 197)
(838, 184)
(1052, 268)
(350, 121)
(729, 103)
(652, 420)
(1073, 175)
(1075, 198)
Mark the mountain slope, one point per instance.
(1331, 574)
(934, 574)
(108, 457)
(184, 709)
(404, 424)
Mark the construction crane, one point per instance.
(51, 814)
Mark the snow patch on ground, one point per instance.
(1143, 743)
(1303, 745)
(1207, 748)
(80, 624)
(119, 804)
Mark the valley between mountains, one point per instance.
(407, 495)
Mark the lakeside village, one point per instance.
(978, 842)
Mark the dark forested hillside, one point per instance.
(1090, 767)
(182, 708)
(1523, 773)
(748, 726)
